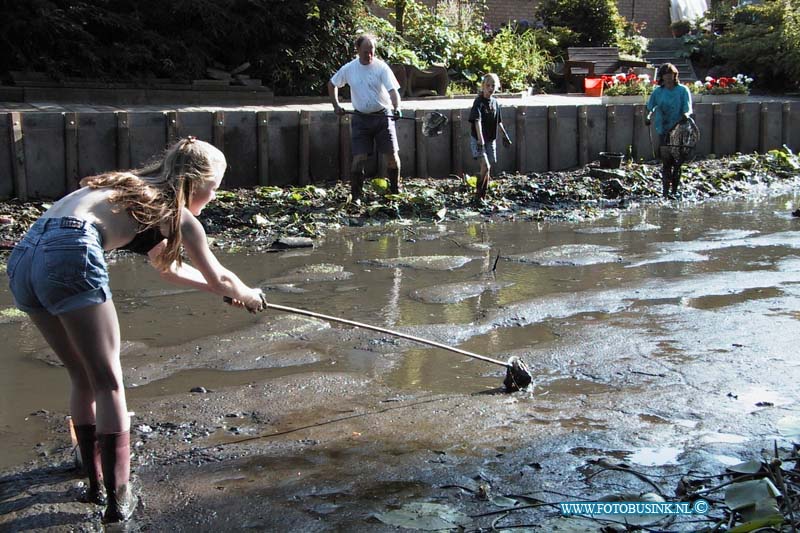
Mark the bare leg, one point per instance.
(483, 181)
(87, 342)
(81, 404)
(94, 333)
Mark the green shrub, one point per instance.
(466, 49)
(594, 22)
(630, 41)
(514, 57)
(757, 32)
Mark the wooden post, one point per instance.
(763, 128)
(71, 151)
(18, 155)
(421, 145)
(262, 140)
(786, 129)
(455, 136)
(640, 133)
(123, 141)
(583, 135)
(739, 129)
(716, 130)
(218, 130)
(521, 140)
(552, 134)
(345, 155)
(305, 147)
(172, 127)
(611, 121)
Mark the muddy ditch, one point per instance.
(616, 415)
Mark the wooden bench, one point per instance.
(417, 82)
(594, 62)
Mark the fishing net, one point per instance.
(433, 124)
(683, 139)
(518, 376)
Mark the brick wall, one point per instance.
(501, 11)
(654, 12)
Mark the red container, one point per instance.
(593, 86)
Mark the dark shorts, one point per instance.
(373, 129)
(58, 267)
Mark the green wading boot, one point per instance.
(90, 457)
(115, 453)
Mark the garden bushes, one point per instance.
(764, 41)
(293, 46)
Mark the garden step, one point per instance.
(664, 44)
(683, 64)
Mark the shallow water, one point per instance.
(640, 289)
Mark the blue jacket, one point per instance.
(670, 106)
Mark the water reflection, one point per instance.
(720, 257)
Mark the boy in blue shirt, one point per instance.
(486, 120)
(671, 103)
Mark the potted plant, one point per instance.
(696, 89)
(680, 28)
(726, 89)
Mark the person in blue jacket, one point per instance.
(669, 104)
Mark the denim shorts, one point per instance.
(58, 267)
(376, 129)
(490, 149)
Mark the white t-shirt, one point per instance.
(369, 84)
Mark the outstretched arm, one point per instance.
(206, 274)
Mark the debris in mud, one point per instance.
(272, 218)
(757, 495)
(425, 517)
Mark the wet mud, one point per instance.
(661, 350)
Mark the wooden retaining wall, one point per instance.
(43, 155)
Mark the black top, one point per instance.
(487, 112)
(144, 241)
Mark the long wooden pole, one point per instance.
(297, 311)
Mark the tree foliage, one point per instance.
(293, 45)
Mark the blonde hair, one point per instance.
(492, 76)
(157, 192)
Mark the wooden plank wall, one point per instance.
(43, 155)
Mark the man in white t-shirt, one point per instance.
(376, 100)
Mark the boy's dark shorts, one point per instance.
(377, 128)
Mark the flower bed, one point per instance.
(629, 84)
(725, 85)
